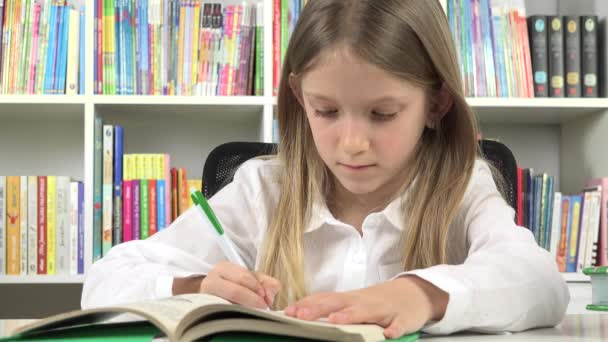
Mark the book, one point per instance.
(556, 57)
(192, 317)
(572, 60)
(538, 40)
(589, 58)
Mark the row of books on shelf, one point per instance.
(41, 225)
(573, 228)
(177, 47)
(134, 195)
(42, 48)
(502, 53)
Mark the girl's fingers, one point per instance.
(271, 287)
(233, 292)
(360, 314)
(240, 275)
(399, 327)
(318, 306)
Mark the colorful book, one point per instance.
(108, 188)
(42, 226)
(97, 188)
(13, 247)
(117, 174)
(3, 240)
(32, 225)
(51, 220)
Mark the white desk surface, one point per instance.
(581, 327)
(574, 328)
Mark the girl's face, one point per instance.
(365, 122)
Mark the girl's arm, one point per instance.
(507, 282)
(174, 259)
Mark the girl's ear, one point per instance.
(294, 84)
(440, 105)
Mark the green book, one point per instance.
(192, 317)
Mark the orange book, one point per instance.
(13, 246)
(562, 249)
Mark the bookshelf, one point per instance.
(53, 135)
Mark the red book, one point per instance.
(174, 207)
(276, 45)
(127, 210)
(152, 224)
(41, 224)
(520, 197)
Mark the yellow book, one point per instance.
(195, 43)
(71, 86)
(233, 48)
(194, 183)
(13, 225)
(51, 203)
(180, 51)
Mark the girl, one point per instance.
(378, 207)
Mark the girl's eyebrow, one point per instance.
(382, 99)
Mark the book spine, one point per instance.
(127, 201)
(573, 234)
(572, 64)
(51, 216)
(32, 224)
(31, 85)
(167, 176)
(537, 28)
(3, 240)
(562, 249)
(71, 84)
(42, 226)
(62, 227)
(556, 57)
(23, 225)
(12, 225)
(143, 184)
(2, 7)
(97, 188)
(160, 191)
(556, 223)
(81, 51)
(183, 191)
(590, 72)
(174, 195)
(259, 50)
(276, 45)
(108, 142)
(81, 242)
(136, 210)
(117, 184)
(73, 242)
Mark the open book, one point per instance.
(199, 316)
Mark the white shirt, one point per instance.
(497, 277)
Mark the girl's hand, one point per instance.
(240, 286)
(401, 306)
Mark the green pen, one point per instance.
(226, 244)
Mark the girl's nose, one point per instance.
(354, 138)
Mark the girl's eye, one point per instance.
(379, 116)
(326, 113)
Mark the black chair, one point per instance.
(223, 161)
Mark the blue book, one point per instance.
(80, 228)
(55, 79)
(117, 205)
(160, 204)
(129, 50)
(144, 47)
(81, 53)
(118, 36)
(51, 51)
(63, 52)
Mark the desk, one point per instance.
(574, 328)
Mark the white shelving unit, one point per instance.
(53, 135)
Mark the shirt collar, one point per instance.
(321, 215)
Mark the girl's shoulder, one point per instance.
(260, 176)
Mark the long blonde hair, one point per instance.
(409, 39)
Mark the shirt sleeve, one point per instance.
(507, 282)
(144, 269)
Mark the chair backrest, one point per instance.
(223, 161)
